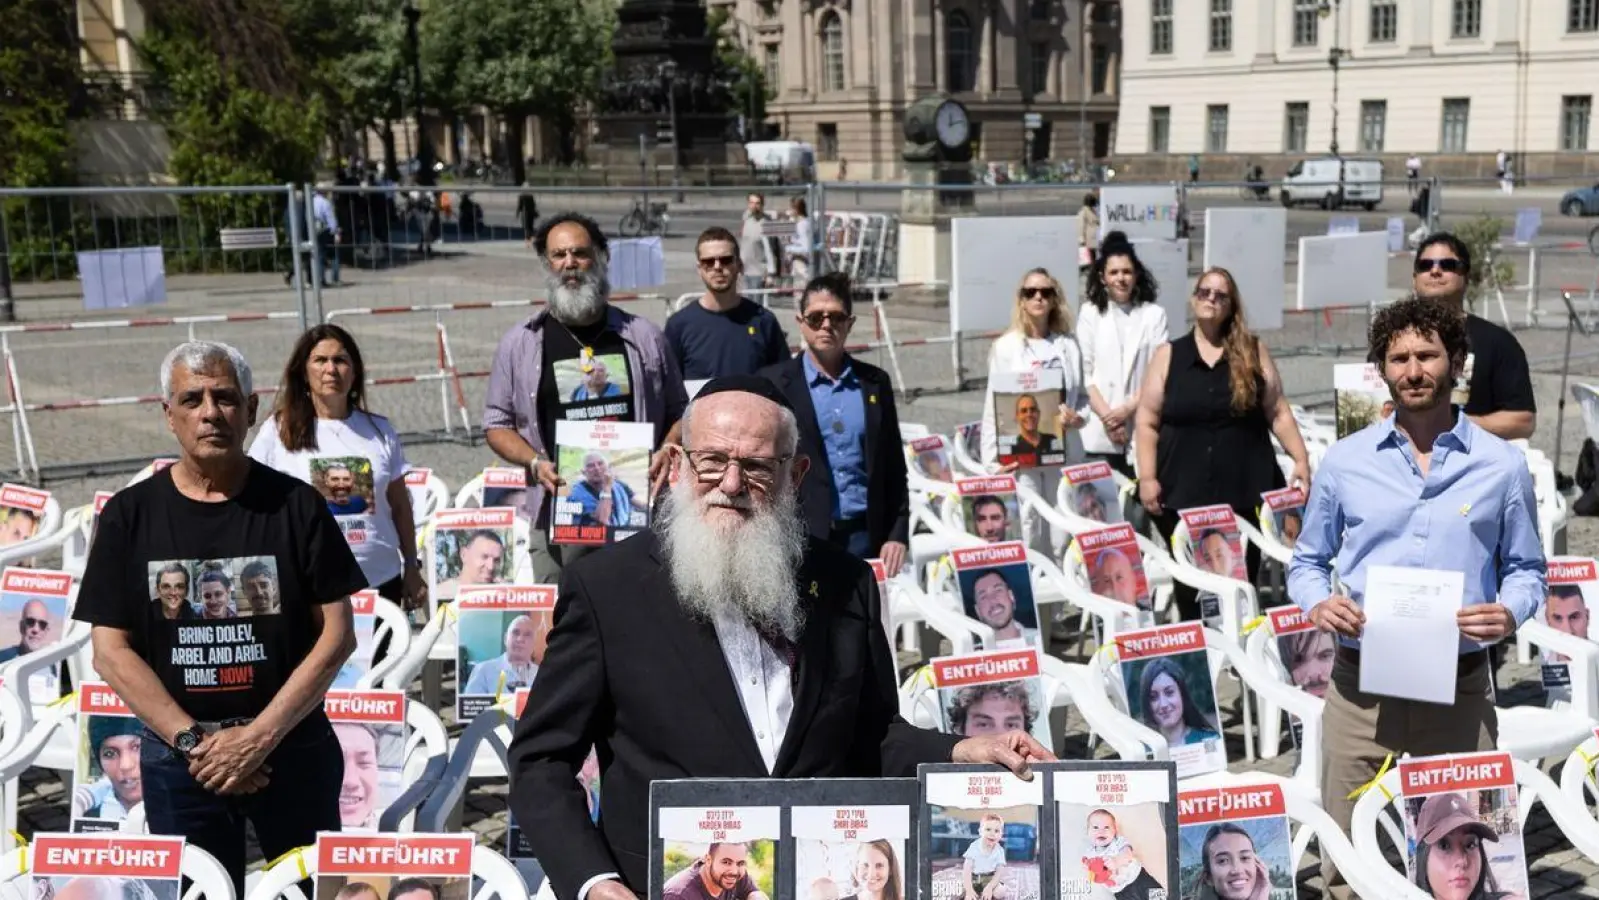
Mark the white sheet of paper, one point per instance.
(1411, 644)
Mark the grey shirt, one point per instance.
(751, 245)
(512, 398)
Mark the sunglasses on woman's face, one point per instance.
(1449, 264)
(1046, 293)
(1212, 294)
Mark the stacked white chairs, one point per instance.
(910, 608)
(50, 533)
(427, 497)
(1577, 779)
(1375, 814)
(206, 878)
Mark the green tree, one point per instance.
(240, 111)
(1489, 271)
(517, 59)
(745, 78)
(40, 92)
(353, 55)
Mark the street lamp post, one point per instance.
(424, 148)
(669, 74)
(742, 27)
(1334, 59)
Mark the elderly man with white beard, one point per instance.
(543, 367)
(721, 643)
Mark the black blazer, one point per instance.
(888, 495)
(630, 673)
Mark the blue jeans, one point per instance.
(301, 798)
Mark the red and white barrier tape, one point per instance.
(464, 306)
(153, 322)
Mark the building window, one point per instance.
(771, 68)
(1216, 128)
(1160, 27)
(1466, 20)
(1296, 127)
(1160, 129)
(1373, 125)
(1099, 69)
(827, 141)
(1307, 23)
(1038, 10)
(832, 53)
(1575, 114)
(1221, 25)
(960, 53)
(1582, 15)
(1384, 21)
(1452, 136)
(1039, 63)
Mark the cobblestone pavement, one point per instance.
(56, 366)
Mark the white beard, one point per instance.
(579, 304)
(747, 570)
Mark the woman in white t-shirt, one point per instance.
(1039, 338)
(1119, 329)
(321, 432)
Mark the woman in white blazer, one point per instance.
(1120, 328)
(1039, 337)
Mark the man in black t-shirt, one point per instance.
(1497, 388)
(723, 333)
(547, 369)
(231, 702)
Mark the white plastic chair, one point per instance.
(495, 875)
(918, 700)
(1577, 775)
(429, 495)
(1265, 673)
(77, 527)
(1587, 397)
(49, 535)
(961, 457)
(1376, 812)
(49, 742)
(392, 623)
(155, 466)
(207, 879)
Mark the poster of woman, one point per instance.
(1235, 844)
(1166, 675)
(1462, 830)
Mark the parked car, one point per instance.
(1332, 182)
(1581, 202)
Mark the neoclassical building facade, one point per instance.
(842, 72)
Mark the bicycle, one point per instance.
(1593, 241)
(640, 221)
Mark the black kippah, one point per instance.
(745, 384)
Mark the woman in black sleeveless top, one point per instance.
(1210, 403)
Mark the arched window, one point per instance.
(960, 53)
(832, 53)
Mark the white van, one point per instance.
(782, 161)
(1318, 181)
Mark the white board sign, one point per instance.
(990, 254)
(637, 263)
(1241, 240)
(1142, 212)
(1167, 261)
(1343, 270)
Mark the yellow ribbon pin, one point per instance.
(752, 330)
(1591, 761)
(298, 855)
(1252, 624)
(1375, 782)
(62, 701)
(871, 398)
(499, 688)
(814, 592)
(1465, 509)
(586, 360)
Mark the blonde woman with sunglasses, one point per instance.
(1039, 337)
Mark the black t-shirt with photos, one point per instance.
(566, 391)
(1498, 378)
(217, 597)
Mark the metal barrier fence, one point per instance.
(434, 279)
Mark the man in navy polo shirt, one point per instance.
(723, 333)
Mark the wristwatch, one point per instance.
(187, 740)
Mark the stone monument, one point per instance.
(665, 69)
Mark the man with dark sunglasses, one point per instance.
(1496, 390)
(723, 333)
(859, 497)
(34, 631)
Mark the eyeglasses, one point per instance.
(1212, 294)
(816, 319)
(1449, 264)
(1047, 293)
(718, 262)
(30, 622)
(760, 471)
